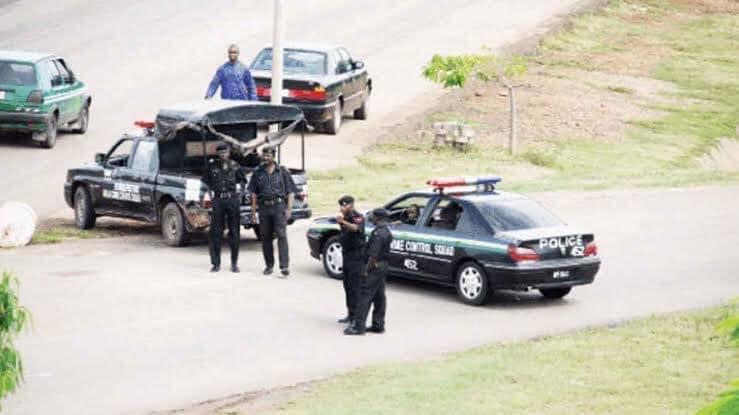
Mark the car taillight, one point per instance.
(591, 249)
(263, 91)
(519, 254)
(35, 97)
(316, 94)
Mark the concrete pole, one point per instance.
(513, 138)
(277, 36)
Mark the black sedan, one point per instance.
(476, 239)
(323, 80)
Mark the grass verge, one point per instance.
(691, 44)
(60, 233)
(663, 364)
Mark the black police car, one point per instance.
(477, 239)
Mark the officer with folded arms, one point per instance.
(352, 246)
(222, 177)
(373, 277)
(272, 191)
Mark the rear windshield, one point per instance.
(516, 214)
(295, 61)
(15, 73)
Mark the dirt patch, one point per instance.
(722, 157)
(711, 6)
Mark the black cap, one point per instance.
(346, 200)
(380, 213)
(222, 146)
(268, 149)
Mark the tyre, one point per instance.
(555, 293)
(83, 120)
(173, 226)
(332, 258)
(84, 214)
(472, 284)
(362, 112)
(333, 126)
(51, 130)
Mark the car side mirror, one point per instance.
(100, 158)
(358, 65)
(72, 78)
(342, 67)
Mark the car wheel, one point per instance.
(472, 284)
(173, 226)
(333, 258)
(51, 130)
(555, 293)
(333, 126)
(83, 120)
(84, 213)
(361, 112)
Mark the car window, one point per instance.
(445, 216)
(52, 71)
(466, 222)
(295, 61)
(403, 210)
(64, 71)
(145, 158)
(341, 64)
(16, 73)
(345, 55)
(515, 214)
(118, 156)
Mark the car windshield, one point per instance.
(295, 61)
(516, 214)
(16, 73)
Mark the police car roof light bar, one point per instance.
(144, 124)
(487, 182)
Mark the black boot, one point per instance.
(215, 268)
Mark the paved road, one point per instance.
(130, 326)
(138, 56)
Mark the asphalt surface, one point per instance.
(139, 56)
(130, 326)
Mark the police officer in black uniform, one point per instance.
(374, 273)
(222, 177)
(272, 190)
(352, 246)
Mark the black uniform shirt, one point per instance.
(379, 243)
(352, 243)
(223, 176)
(269, 186)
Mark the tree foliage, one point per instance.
(13, 318)
(455, 70)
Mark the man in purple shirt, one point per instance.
(234, 79)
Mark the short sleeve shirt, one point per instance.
(352, 243)
(269, 186)
(379, 243)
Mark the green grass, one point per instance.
(61, 233)
(700, 58)
(664, 364)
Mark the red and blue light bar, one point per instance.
(443, 183)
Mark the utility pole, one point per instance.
(277, 36)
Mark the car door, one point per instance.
(444, 231)
(55, 94)
(72, 99)
(353, 95)
(342, 71)
(138, 179)
(113, 195)
(405, 248)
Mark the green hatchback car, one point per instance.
(40, 95)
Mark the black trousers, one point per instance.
(373, 294)
(272, 222)
(225, 211)
(352, 283)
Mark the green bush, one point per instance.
(728, 401)
(13, 318)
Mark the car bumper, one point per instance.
(314, 113)
(314, 243)
(537, 275)
(23, 121)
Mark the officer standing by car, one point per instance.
(352, 246)
(234, 79)
(374, 273)
(272, 191)
(222, 177)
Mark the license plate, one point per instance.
(561, 274)
(2, 94)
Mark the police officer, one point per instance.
(352, 246)
(222, 177)
(374, 273)
(272, 190)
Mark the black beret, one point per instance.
(222, 146)
(346, 200)
(380, 213)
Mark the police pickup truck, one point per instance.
(476, 239)
(155, 176)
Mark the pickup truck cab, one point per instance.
(157, 179)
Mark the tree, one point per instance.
(13, 318)
(455, 70)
